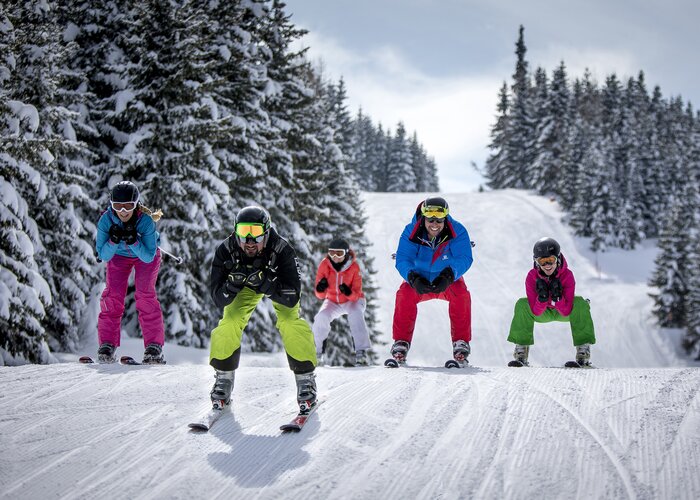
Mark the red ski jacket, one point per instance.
(349, 274)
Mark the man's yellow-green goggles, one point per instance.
(434, 212)
(245, 230)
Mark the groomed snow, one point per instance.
(628, 429)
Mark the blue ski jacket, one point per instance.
(147, 239)
(452, 248)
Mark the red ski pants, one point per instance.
(460, 310)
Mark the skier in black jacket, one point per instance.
(251, 263)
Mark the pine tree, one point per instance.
(498, 164)
(400, 175)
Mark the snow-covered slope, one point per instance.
(626, 430)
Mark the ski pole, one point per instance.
(179, 260)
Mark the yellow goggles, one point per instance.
(434, 212)
(547, 261)
(245, 230)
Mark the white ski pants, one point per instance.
(356, 318)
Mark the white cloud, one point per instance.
(452, 116)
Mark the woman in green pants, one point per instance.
(252, 263)
(550, 297)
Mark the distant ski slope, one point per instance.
(625, 430)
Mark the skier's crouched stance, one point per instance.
(251, 263)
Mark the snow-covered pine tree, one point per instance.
(361, 158)
(400, 175)
(673, 263)
(43, 79)
(497, 166)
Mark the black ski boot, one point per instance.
(106, 353)
(153, 355)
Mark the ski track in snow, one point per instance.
(629, 429)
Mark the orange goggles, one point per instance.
(246, 230)
(336, 252)
(434, 212)
(546, 261)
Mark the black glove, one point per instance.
(556, 289)
(236, 279)
(345, 289)
(443, 280)
(115, 234)
(264, 281)
(542, 289)
(129, 234)
(419, 283)
(322, 285)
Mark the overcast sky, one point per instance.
(438, 65)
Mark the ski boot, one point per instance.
(583, 354)
(460, 352)
(399, 351)
(361, 358)
(106, 353)
(221, 392)
(306, 391)
(153, 354)
(520, 356)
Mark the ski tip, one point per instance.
(391, 363)
(128, 360)
(451, 363)
(516, 363)
(575, 364)
(86, 360)
(197, 427)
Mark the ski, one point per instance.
(453, 363)
(516, 363)
(391, 363)
(206, 420)
(87, 360)
(575, 364)
(300, 420)
(128, 360)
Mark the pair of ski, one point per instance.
(568, 364)
(205, 422)
(124, 360)
(450, 363)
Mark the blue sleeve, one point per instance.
(461, 249)
(406, 253)
(104, 246)
(146, 240)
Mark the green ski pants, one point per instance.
(523, 325)
(297, 338)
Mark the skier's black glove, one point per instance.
(129, 234)
(236, 279)
(556, 289)
(265, 282)
(542, 289)
(345, 289)
(115, 233)
(443, 280)
(322, 285)
(419, 283)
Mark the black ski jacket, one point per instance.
(278, 260)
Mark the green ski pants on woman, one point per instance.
(523, 325)
(297, 338)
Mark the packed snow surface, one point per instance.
(628, 429)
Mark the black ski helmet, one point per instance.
(253, 215)
(546, 247)
(124, 192)
(434, 201)
(339, 244)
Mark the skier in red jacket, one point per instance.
(339, 285)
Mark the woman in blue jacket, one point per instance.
(127, 239)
